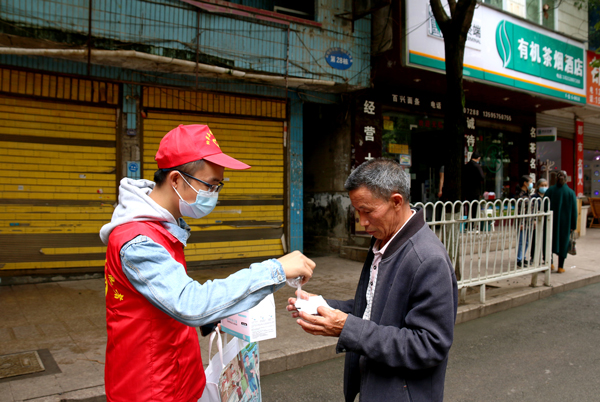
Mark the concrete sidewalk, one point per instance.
(66, 321)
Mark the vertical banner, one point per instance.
(368, 130)
(593, 79)
(533, 153)
(579, 158)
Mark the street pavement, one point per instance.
(543, 351)
(67, 320)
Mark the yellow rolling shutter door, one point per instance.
(248, 221)
(57, 182)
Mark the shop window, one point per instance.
(413, 141)
(499, 155)
(549, 156)
(298, 9)
(541, 12)
(495, 3)
(593, 19)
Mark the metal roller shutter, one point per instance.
(591, 136)
(57, 182)
(565, 127)
(249, 219)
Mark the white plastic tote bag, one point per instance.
(233, 373)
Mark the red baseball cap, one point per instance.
(186, 144)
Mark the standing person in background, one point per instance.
(525, 187)
(152, 305)
(441, 183)
(536, 198)
(472, 187)
(563, 204)
(473, 177)
(441, 196)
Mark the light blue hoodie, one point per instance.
(164, 282)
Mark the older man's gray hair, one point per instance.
(382, 177)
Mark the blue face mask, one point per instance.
(204, 204)
(530, 186)
(542, 190)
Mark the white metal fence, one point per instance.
(492, 240)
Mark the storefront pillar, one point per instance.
(296, 176)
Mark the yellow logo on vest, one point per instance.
(110, 280)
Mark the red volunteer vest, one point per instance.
(149, 355)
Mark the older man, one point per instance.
(398, 329)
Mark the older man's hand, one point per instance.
(328, 323)
(292, 302)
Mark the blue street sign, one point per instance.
(133, 170)
(338, 58)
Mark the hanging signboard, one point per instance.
(579, 158)
(338, 58)
(546, 134)
(593, 79)
(397, 148)
(504, 50)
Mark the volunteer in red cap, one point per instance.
(152, 305)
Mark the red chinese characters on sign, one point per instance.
(579, 158)
(593, 79)
(431, 124)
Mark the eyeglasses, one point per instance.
(212, 188)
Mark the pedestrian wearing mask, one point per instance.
(536, 198)
(525, 187)
(563, 204)
(152, 305)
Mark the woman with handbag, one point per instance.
(563, 204)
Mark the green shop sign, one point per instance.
(533, 53)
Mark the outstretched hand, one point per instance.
(296, 264)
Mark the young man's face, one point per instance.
(209, 172)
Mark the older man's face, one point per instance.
(380, 218)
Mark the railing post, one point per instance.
(548, 250)
(463, 295)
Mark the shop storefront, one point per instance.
(515, 56)
(59, 177)
(412, 132)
